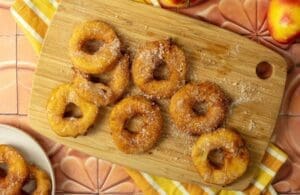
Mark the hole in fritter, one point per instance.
(199, 108)
(29, 187)
(216, 158)
(94, 79)
(72, 111)
(135, 124)
(161, 71)
(264, 70)
(3, 169)
(104, 78)
(91, 46)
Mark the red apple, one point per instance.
(284, 20)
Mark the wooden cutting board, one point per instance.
(212, 53)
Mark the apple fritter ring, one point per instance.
(94, 47)
(17, 172)
(185, 104)
(149, 125)
(65, 122)
(234, 156)
(100, 93)
(43, 183)
(148, 60)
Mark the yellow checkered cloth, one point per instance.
(34, 16)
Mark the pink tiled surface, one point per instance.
(77, 173)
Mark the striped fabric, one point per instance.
(272, 161)
(34, 16)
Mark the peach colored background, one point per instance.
(77, 173)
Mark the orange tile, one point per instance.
(25, 51)
(8, 94)
(12, 120)
(19, 31)
(7, 48)
(113, 179)
(294, 107)
(26, 62)
(116, 175)
(287, 180)
(104, 168)
(25, 75)
(6, 3)
(75, 172)
(290, 101)
(8, 89)
(125, 187)
(7, 23)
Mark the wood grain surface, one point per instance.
(212, 53)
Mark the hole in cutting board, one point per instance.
(91, 46)
(72, 111)
(161, 71)
(264, 70)
(216, 158)
(135, 124)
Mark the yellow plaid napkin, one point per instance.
(34, 16)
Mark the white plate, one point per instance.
(28, 147)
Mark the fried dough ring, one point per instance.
(17, 171)
(207, 93)
(101, 60)
(103, 94)
(236, 156)
(43, 183)
(146, 60)
(69, 127)
(150, 131)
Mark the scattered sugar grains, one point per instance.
(207, 59)
(114, 46)
(147, 57)
(233, 51)
(247, 92)
(188, 140)
(251, 125)
(161, 51)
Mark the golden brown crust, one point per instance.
(103, 59)
(150, 131)
(206, 93)
(103, 94)
(148, 56)
(236, 156)
(58, 101)
(17, 171)
(43, 183)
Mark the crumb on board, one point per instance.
(251, 125)
(247, 92)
